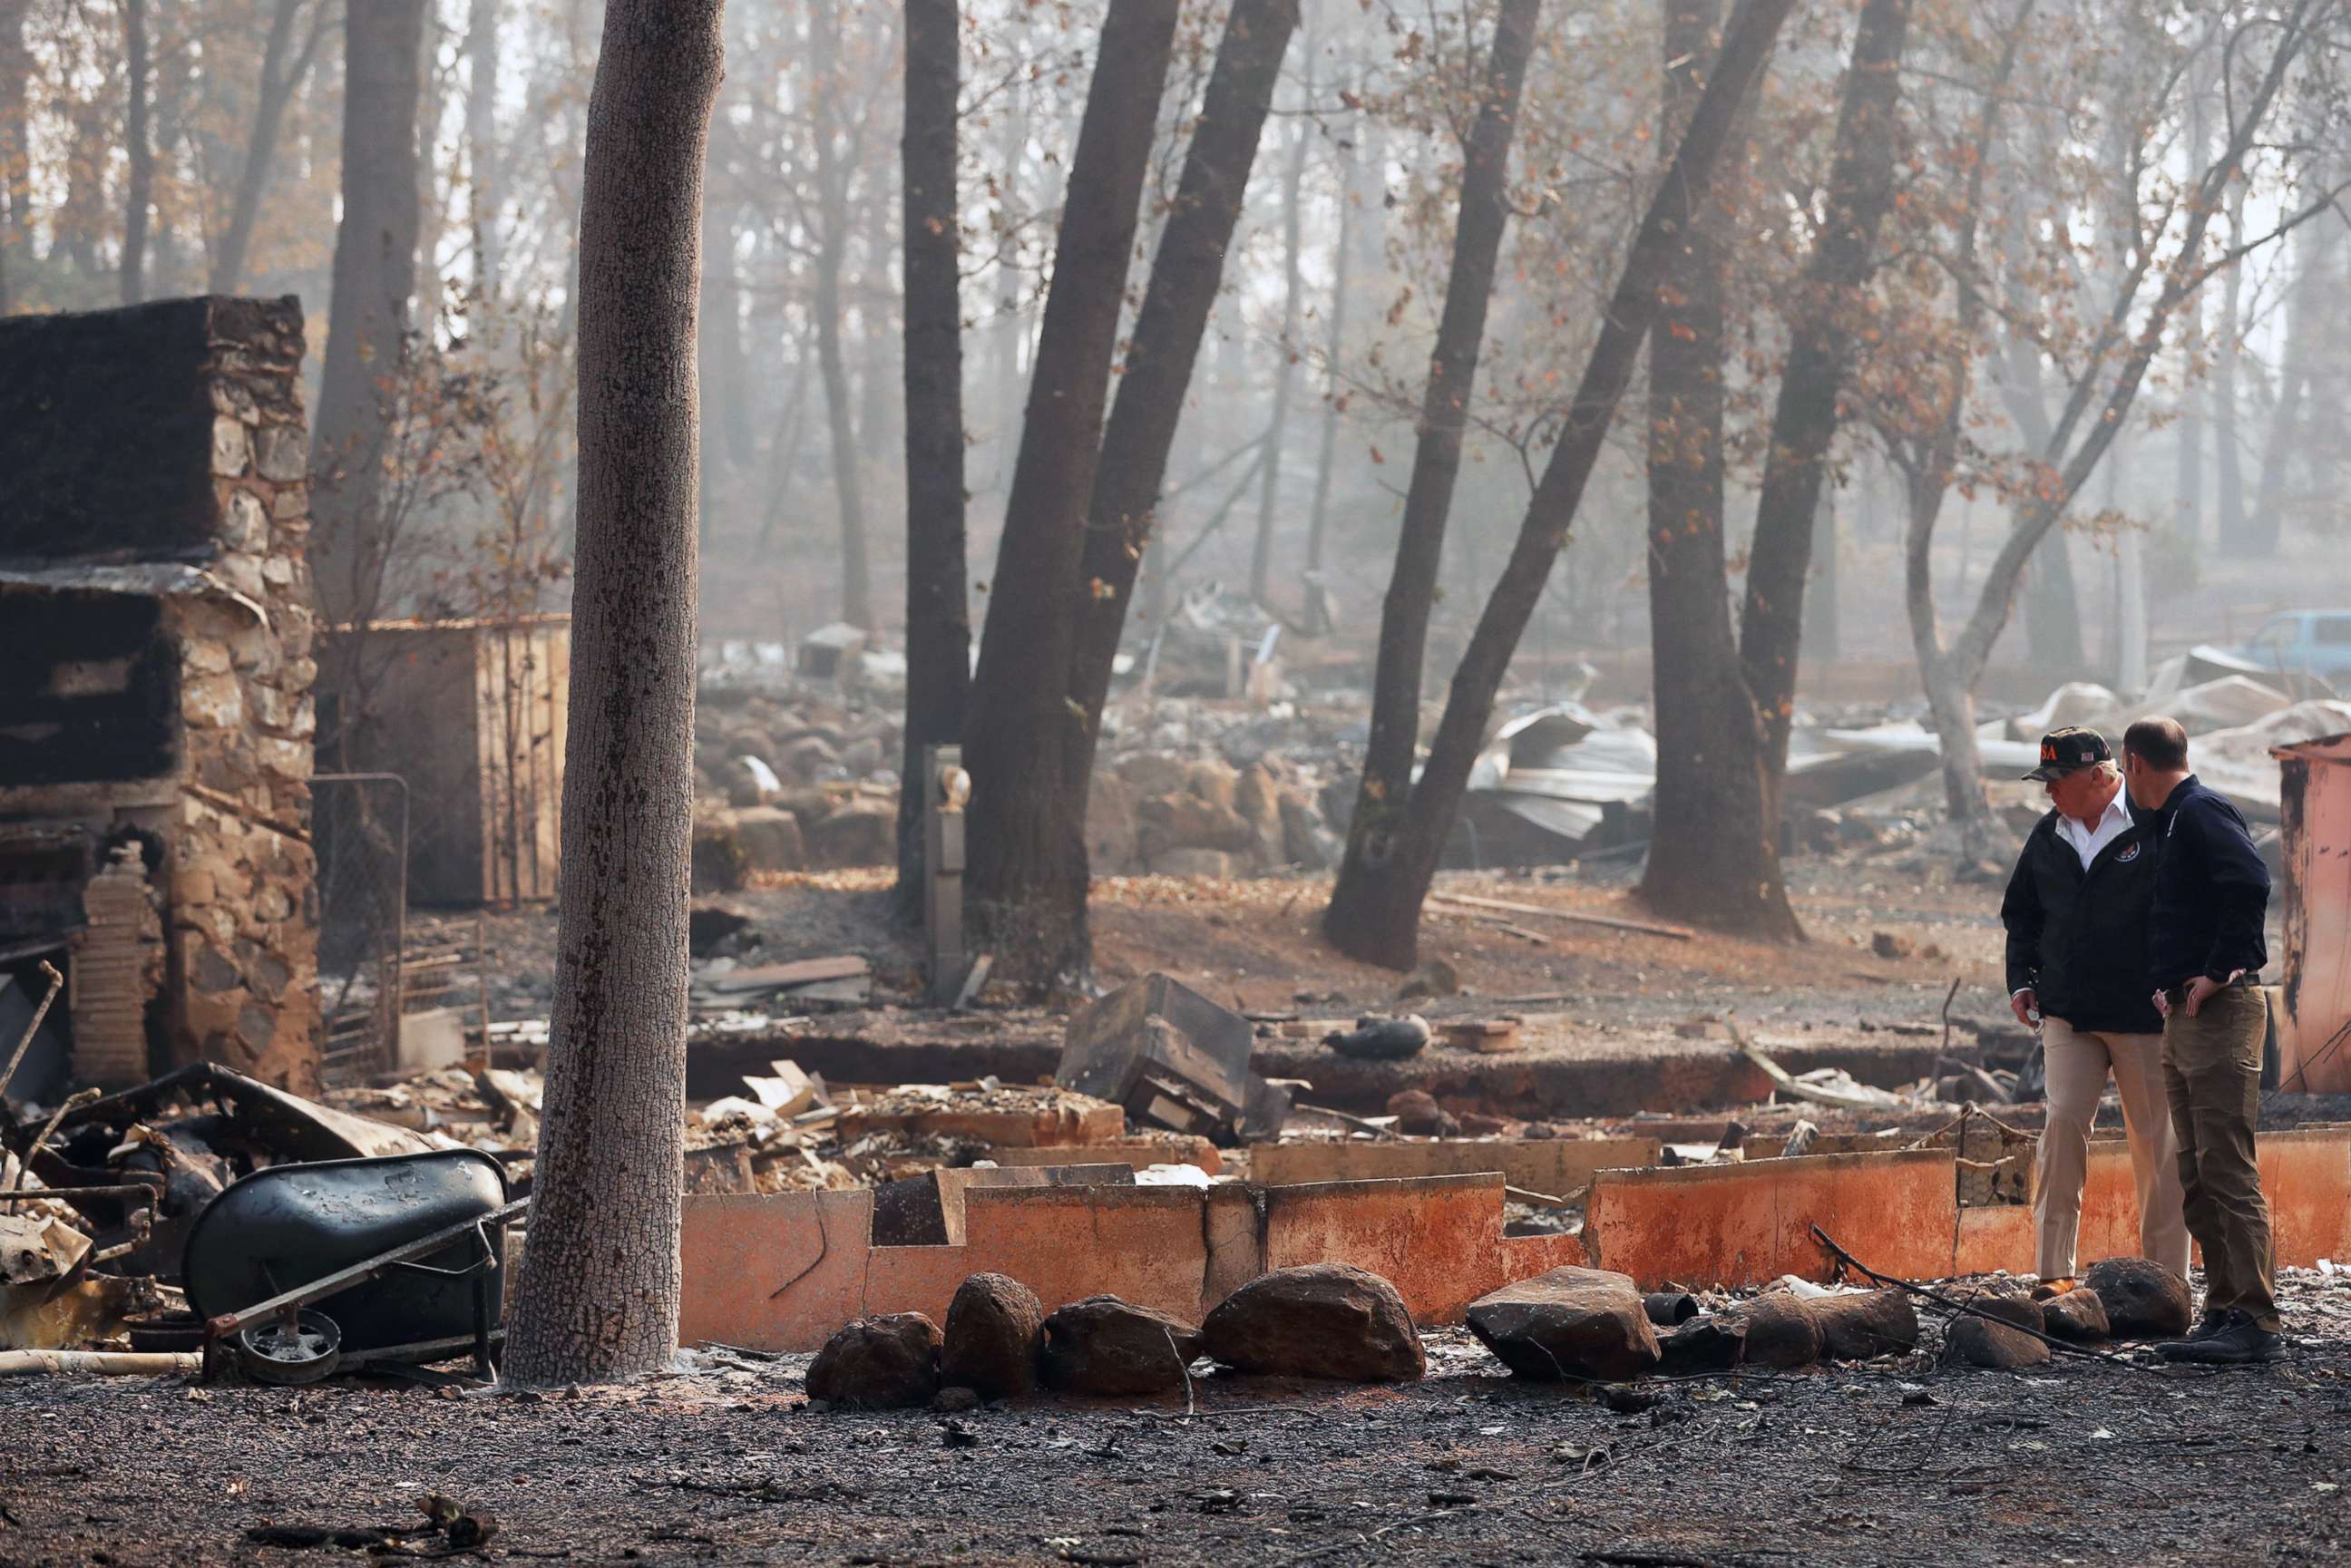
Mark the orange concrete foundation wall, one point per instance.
(1747, 1223)
(1438, 1240)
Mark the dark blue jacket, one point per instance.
(2078, 938)
(2211, 891)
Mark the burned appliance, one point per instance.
(1174, 1059)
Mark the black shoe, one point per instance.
(2239, 1341)
(2207, 1326)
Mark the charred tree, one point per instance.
(1185, 272)
(1381, 829)
(1820, 344)
(2235, 530)
(1343, 256)
(16, 189)
(367, 317)
(1285, 371)
(485, 182)
(1374, 913)
(833, 173)
(1026, 878)
(938, 617)
(597, 1295)
(139, 152)
(283, 64)
(1714, 849)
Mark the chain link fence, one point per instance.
(359, 824)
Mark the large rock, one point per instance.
(1304, 839)
(858, 832)
(769, 840)
(2078, 1316)
(718, 862)
(1213, 780)
(1104, 1345)
(1257, 799)
(2143, 1298)
(1418, 1113)
(1111, 846)
(1989, 1340)
(808, 757)
(1570, 1322)
(1869, 1324)
(1196, 862)
(1153, 773)
(879, 1363)
(996, 1327)
(1186, 821)
(1323, 1320)
(1781, 1330)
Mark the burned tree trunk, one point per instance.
(598, 1296)
(1027, 872)
(15, 69)
(1383, 799)
(485, 182)
(1714, 852)
(832, 254)
(1185, 272)
(283, 67)
(139, 186)
(1285, 371)
(1343, 252)
(1374, 912)
(938, 620)
(1821, 337)
(374, 279)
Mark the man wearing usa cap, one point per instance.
(2077, 914)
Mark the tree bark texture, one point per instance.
(1285, 371)
(139, 151)
(598, 1296)
(1186, 270)
(1714, 854)
(2228, 459)
(1374, 913)
(938, 617)
(1379, 829)
(484, 183)
(1821, 340)
(283, 64)
(16, 69)
(1343, 258)
(1026, 874)
(374, 279)
(833, 256)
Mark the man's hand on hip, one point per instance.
(2026, 1005)
(2163, 1003)
(2203, 986)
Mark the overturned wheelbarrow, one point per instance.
(299, 1270)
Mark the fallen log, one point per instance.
(100, 1363)
(1575, 916)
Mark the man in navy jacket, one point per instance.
(2076, 914)
(2205, 950)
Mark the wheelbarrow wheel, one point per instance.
(308, 1350)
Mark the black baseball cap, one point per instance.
(2069, 750)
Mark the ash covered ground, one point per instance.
(2086, 1461)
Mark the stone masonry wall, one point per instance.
(242, 914)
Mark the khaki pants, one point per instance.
(2212, 1075)
(2078, 1064)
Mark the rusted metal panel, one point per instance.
(2314, 1032)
